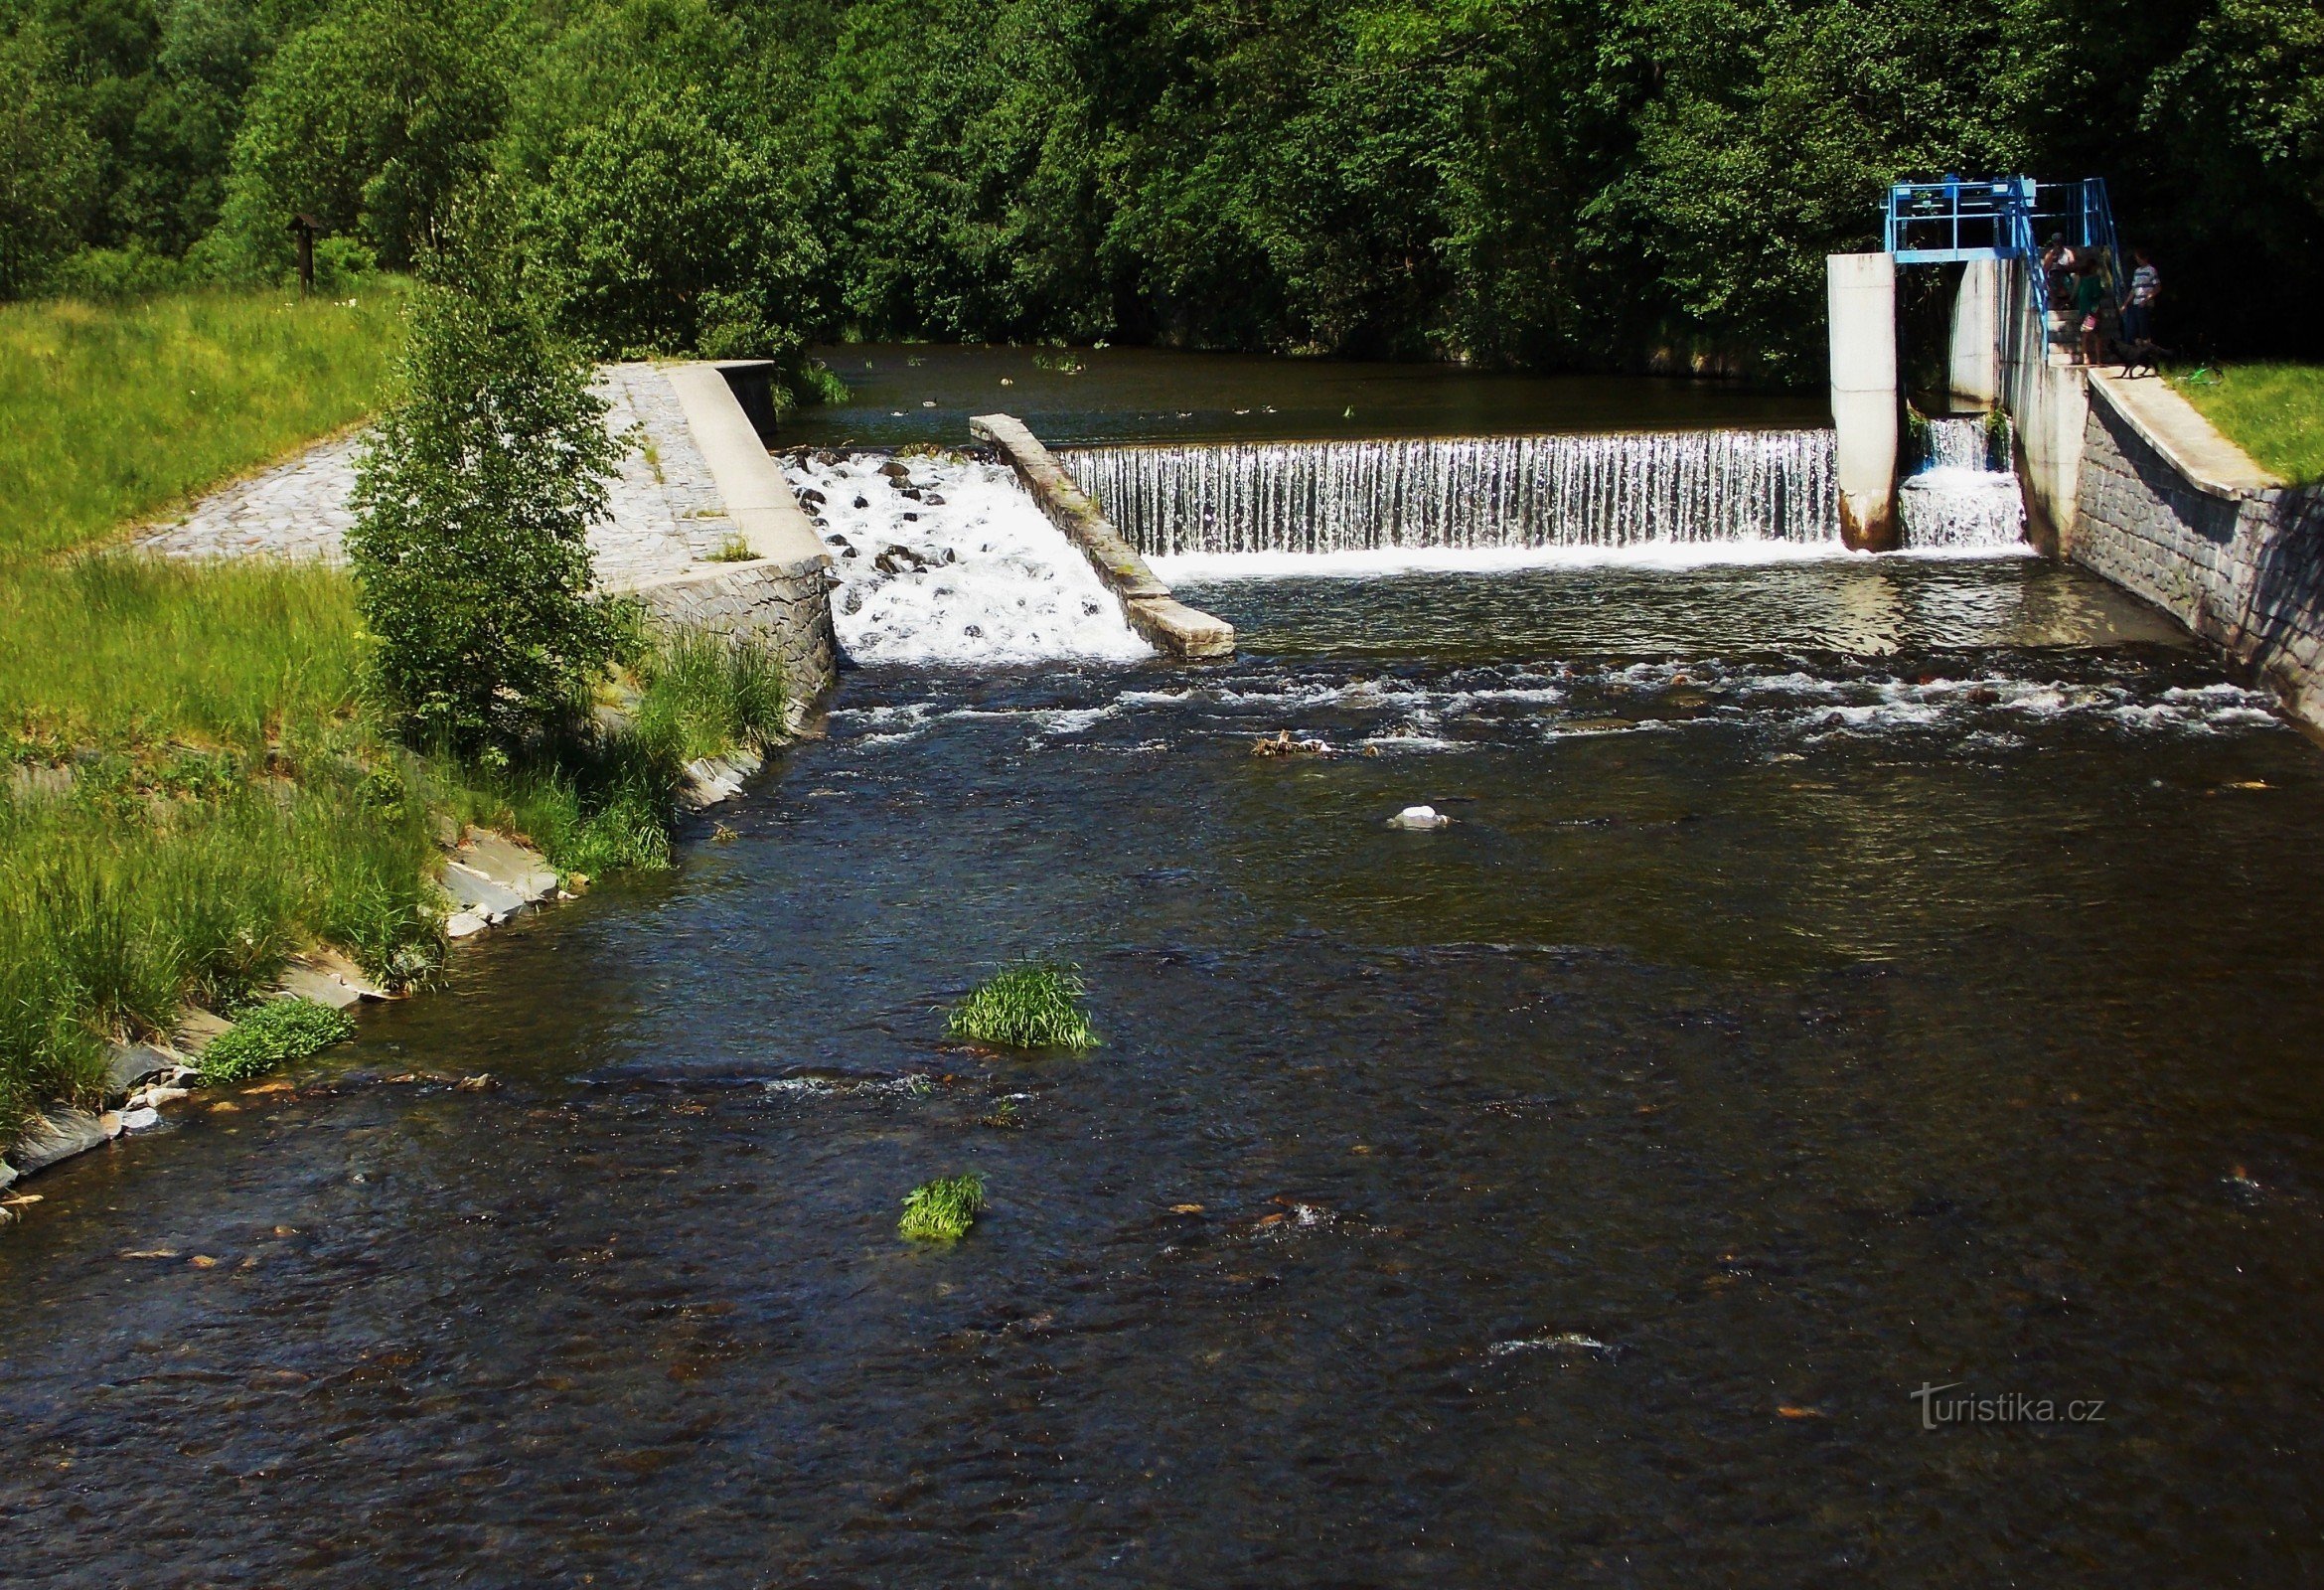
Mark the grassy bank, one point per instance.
(2274, 413)
(192, 783)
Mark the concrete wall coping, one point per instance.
(756, 496)
(2176, 429)
(1146, 602)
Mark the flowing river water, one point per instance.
(1841, 976)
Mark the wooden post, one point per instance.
(303, 229)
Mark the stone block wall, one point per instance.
(787, 603)
(2243, 569)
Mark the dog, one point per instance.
(2143, 356)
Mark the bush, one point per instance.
(942, 1210)
(271, 1034)
(474, 498)
(117, 276)
(1029, 1006)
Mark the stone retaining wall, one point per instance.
(787, 603)
(2240, 565)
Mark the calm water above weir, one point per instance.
(1574, 1195)
(919, 393)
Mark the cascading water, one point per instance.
(950, 563)
(1504, 493)
(1956, 498)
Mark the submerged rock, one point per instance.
(1419, 818)
(1284, 745)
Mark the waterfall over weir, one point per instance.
(1495, 493)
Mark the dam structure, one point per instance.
(2119, 474)
(1732, 491)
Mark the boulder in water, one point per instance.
(1284, 745)
(895, 469)
(1419, 818)
(898, 560)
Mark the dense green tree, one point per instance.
(474, 496)
(48, 169)
(370, 121)
(653, 232)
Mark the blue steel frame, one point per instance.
(2005, 218)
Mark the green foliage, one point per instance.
(942, 1210)
(474, 497)
(2274, 413)
(1032, 1004)
(273, 1034)
(655, 231)
(48, 169)
(370, 121)
(705, 695)
(108, 413)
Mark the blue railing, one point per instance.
(2003, 218)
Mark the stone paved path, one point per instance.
(666, 514)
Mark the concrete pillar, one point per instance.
(1974, 362)
(1865, 400)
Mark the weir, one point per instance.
(1487, 493)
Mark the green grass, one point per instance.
(1032, 1004)
(273, 1034)
(109, 414)
(942, 1210)
(2274, 413)
(193, 781)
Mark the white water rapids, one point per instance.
(955, 565)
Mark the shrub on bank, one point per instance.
(273, 1034)
(1029, 1006)
(473, 501)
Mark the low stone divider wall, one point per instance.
(2170, 511)
(1169, 624)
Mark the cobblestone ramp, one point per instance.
(666, 515)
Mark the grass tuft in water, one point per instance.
(271, 1034)
(942, 1210)
(1032, 1004)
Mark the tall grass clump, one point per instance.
(705, 694)
(1032, 1004)
(942, 1210)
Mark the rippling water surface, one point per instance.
(1840, 977)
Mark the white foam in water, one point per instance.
(1954, 502)
(1489, 559)
(1014, 591)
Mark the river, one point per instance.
(1842, 976)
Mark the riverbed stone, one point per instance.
(511, 865)
(127, 1064)
(59, 1135)
(472, 892)
(325, 987)
(196, 1029)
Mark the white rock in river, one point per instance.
(1420, 817)
(138, 1119)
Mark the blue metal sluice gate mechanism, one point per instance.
(1995, 218)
